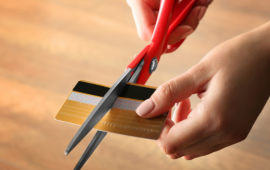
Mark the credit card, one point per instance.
(121, 119)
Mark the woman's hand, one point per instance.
(233, 82)
(145, 15)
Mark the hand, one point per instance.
(145, 15)
(233, 83)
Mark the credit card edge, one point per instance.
(128, 135)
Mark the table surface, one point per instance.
(47, 46)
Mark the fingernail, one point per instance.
(202, 12)
(146, 107)
(209, 2)
(187, 34)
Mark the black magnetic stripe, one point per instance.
(137, 92)
(88, 88)
(130, 91)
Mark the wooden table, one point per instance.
(47, 46)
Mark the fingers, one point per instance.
(189, 127)
(194, 17)
(192, 137)
(197, 13)
(175, 90)
(169, 114)
(207, 151)
(166, 95)
(182, 110)
(145, 16)
(191, 22)
(179, 33)
(169, 123)
(198, 147)
(182, 135)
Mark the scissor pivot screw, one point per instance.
(153, 65)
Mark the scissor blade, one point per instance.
(90, 149)
(100, 110)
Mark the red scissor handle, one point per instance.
(180, 13)
(166, 23)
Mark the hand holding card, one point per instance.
(121, 119)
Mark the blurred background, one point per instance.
(46, 46)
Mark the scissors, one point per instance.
(171, 14)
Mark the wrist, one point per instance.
(262, 35)
(266, 40)
(266, 34)
(259, 39)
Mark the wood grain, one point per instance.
(47, 46)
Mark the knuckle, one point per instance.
(219, 125)
(177, 155)
(190, 157)
(167, 148)
(170, 149)
(218, 122)
(165, 91)
(199, 69)
(143, 37)
(200, 109)
(197, 73)
(174, 156)
(145, 34)
(144, 31)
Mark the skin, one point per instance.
(145, 15)
(233, 83)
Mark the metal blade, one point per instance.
(99, 136)
(137, 72)
(90, 149)
(100, 110)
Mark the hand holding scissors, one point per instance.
(145, 15)
(172, 13)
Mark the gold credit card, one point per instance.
(121, 119)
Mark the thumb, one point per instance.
(169, 93)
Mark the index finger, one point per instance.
(145, 16)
